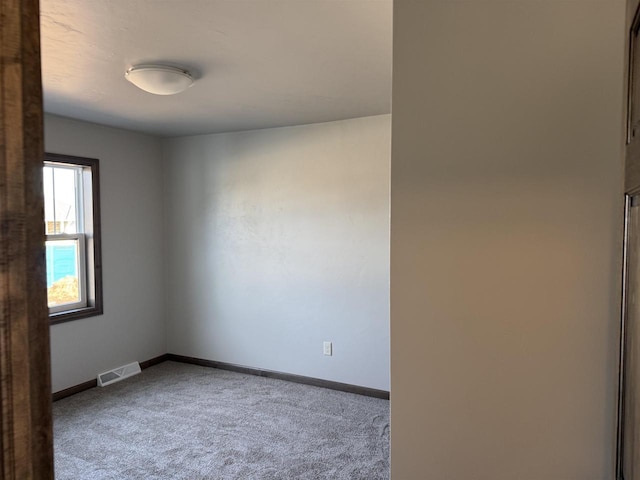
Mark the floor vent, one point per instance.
(117, 374)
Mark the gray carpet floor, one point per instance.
(178, 421)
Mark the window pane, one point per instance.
(61, 194)
(65, 198)
(63, 258)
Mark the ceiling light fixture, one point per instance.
(159, 79)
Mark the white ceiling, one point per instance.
(258, 63)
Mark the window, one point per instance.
(72, 226)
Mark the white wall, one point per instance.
(278, 239)
(132, 327)
(506, 208)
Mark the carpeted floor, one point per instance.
(177, 421)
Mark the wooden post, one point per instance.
(25, 385)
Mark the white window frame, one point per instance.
(79, 237)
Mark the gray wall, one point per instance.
(278, 240)
(132, 327)
(506, 195)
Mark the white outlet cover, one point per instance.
(327, 348)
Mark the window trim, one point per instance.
(93, 254)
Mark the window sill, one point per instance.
(77, 314)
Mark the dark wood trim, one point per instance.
(67, 392)
(154, 361)
(70, 315)
(633, 32)
(26, 440)
(96, 273)
(632, 154)
(289, 377)
(71, 159)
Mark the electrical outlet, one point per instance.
(327, 348)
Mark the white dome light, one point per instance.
(159, 79)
